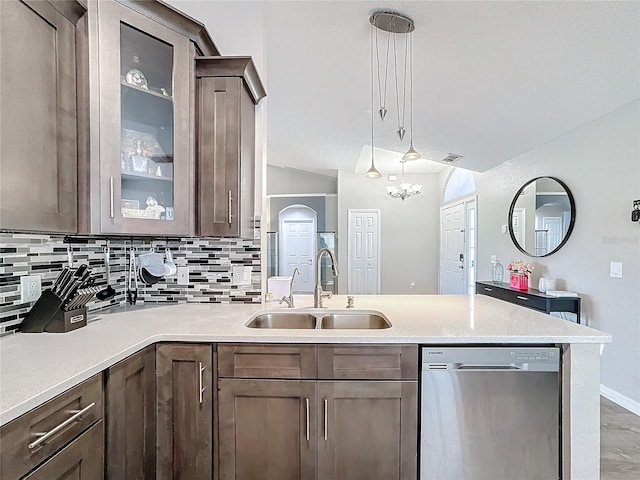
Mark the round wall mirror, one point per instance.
(541, 216)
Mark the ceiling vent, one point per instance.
(452, 157)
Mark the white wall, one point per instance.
(283, 181)
(600, 163)
(409, 237)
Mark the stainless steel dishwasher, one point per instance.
(490, 413)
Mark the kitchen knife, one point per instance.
(62, 283)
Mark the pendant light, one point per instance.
(373, 171)
(411, 153)
(393, 24)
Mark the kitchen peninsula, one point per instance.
(35, 368)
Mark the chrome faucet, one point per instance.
(289, 300)
(318, 293)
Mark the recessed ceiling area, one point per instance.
(492, 80)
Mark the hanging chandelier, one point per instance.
(404, 190)
(395, 26)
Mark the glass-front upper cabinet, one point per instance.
(146, 162)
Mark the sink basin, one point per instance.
(283, 320)
(355, 320)
(316, 318)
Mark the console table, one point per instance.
(530, 298)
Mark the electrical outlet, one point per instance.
(412, 285)
(183, 275)
(241, 275)
(494, 259)
(30, 288)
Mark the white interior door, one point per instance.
(452, 259)
(297, 246)
(553, 226)
(364, 252)
(518, 224)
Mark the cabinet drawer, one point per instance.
(267, 361)
(82, 459)
(513, 296)
(372, 362)
(52, 418)
(527, 300)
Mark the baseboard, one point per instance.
(620, 399)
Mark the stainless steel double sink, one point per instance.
(320, 319)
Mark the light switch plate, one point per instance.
(241, 275)
(183, 275)
(615, 269)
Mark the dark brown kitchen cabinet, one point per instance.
(40, 45)
(82, 459)
(54, 438)
(130, 406)
(267, 429)
(367, 430)
(140, 177)
(184, 411)
(227, 90)
(355, 414)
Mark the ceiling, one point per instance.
(492, 80)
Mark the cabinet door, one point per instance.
(131, 417)
(82, 459)
(226, 157)
(38, 149)
(367, 430)
(267, 429)
(146, 163)
(185, 407)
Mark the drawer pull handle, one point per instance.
(521, 298)
(46, 436)
(488, 289)
(307, 407)
(111, 207)
(201, 388)
(326, 419)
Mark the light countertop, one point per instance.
(35, 367)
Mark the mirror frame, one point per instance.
(572, 203)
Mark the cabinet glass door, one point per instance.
(146, 139)
(145, 124)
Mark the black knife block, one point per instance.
(47, 315)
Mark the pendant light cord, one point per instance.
(404, 79)
(383, 98)
(372, 88)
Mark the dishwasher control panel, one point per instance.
(514, 358)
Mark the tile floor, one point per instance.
(619, 442)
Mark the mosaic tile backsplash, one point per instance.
(210, 262)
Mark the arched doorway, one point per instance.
(297, 225)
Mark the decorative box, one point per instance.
(519, 281)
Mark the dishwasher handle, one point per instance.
(475, 366)
(482, 367)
